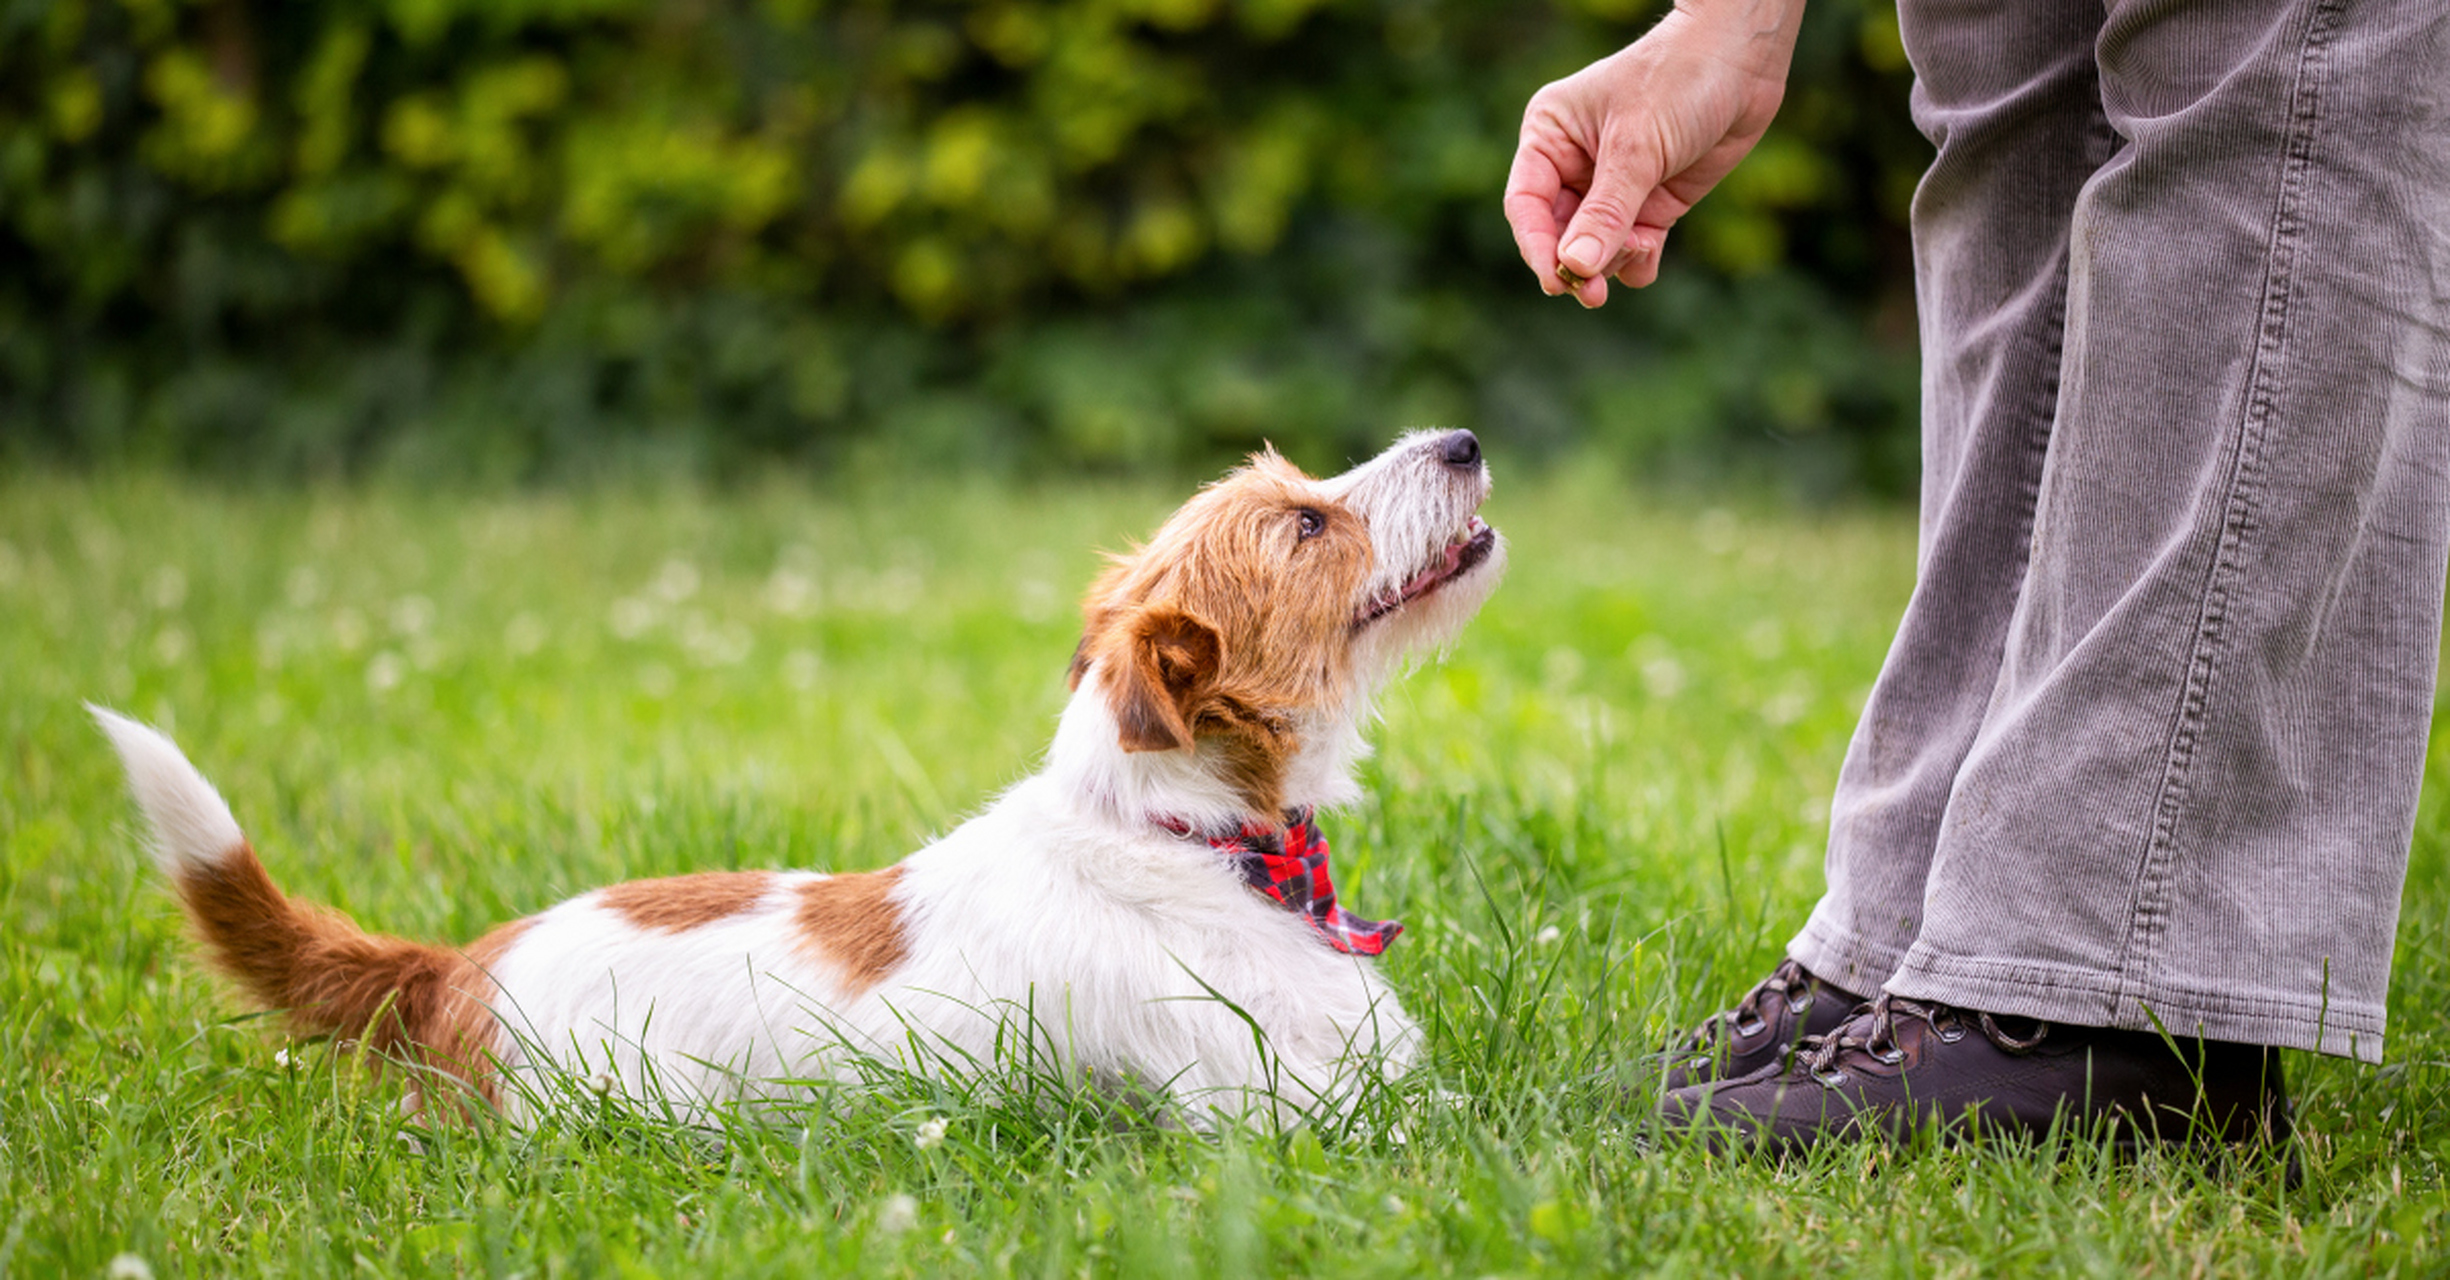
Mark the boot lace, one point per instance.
(1874, 1033)
(1788, 982)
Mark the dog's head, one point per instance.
(1243, 641)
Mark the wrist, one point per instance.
(1749, 31)
(1756, 37)
(1762, 17)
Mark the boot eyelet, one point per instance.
(1830, 1079)
(1799, 1007)
(1951, 1033)
(1888, 1057)
(1749, 1028)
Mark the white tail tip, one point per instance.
(192, 826)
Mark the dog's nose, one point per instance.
(1460, 449)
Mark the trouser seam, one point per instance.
(2150, 902)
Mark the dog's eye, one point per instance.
(1312, 524)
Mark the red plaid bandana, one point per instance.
(1289, 865)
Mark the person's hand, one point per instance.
(1612, 155)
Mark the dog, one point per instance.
(1151, 909)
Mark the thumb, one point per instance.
(1621, 180)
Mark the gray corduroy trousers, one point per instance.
(2148, 742)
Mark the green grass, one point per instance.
(1600, 819)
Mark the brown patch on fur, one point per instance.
(1230, 623)
(462, 1034)
(675, 903)
(408, 1001)
(851, 921)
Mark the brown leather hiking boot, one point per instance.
(1900, 1064)
(1789, 1005)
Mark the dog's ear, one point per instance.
(1167, 661)
(1080, 664)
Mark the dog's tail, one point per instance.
(315, 964)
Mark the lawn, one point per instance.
(1599, 818)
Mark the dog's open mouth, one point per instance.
(1462, 554)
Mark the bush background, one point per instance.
(518, 238)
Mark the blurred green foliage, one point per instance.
(505, 237)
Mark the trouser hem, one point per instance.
(2079, 997)
(1843, 958)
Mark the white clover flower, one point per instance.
(167, 588)
(412, 615)
(714, 645)
(631, 617)
(930, 1134)
(600, 1084)
(791, 593)
(128, 1266)
(898, 1214)
(172, 645)
(525, 635)
(1548, 935)
(1036, 600)
(677, 580)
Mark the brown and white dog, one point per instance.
(1114, 908)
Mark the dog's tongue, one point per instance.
(1446, 565)
(1434, 573)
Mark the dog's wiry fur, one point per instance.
(1223, 676)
